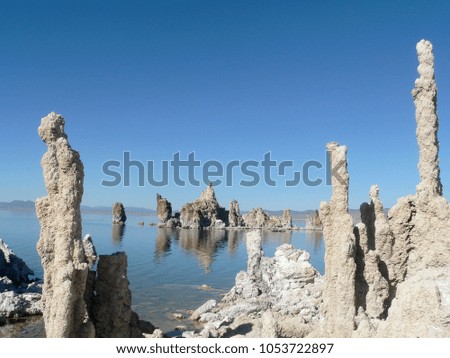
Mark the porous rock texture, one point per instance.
(259, 219)
(118, 214)
(76, 303)
(60, 245)
(394, 269)
(387, 276)
(12, 266)
(111, 309)
(340, 266)
(313, 222)
(19, 296)
(204, 212)
(277, 296)
(164, 211)
(234, 215)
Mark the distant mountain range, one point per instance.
(29, 205)
(18, 205)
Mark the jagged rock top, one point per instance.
(208, 194)
(425, 100)
(52, 128)
(13, 266)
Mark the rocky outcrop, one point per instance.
(19, 300)
(112, 312)
(12, 266)
(313, 222)
(420, 225)
(277, 296)
(89, 250)
(164, 209)
(340, 266)
(234, 215)
(19, 296)
(256, 219)
(204, 212)
(259, 219)
(73, 298)
(118, 214)
(285, 220)
(60, 245)
(393, 269)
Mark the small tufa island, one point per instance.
(206, 213)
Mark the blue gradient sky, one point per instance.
(230, 80)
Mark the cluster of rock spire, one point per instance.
(384, 277)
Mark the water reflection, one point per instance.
(164, 241)
(316, 238)
(204, 243)
(282, 237)
(118, 232)
(233, 242)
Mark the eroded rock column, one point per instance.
(118, 214)
(234, 215)
(340, 267)
(164, 209)
(425, 100)
(60, 244)
(112, 302)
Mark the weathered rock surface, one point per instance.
(112, 312)
(259, 219)
(60, 245)
(13, 266)
(89, 250)
(313, 222)
(204, 212)
(118, 214)
(234, 215)
(73, 298)
(164, 209)
(401, 283)
(340, 266)
(19, 301)
(19, 296)
(277, 296)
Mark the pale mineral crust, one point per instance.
(204, 212)
(425, 100)
(276, 296)
(402, 260)
(340, 267)
(313, 222)
(259, 219)
(163, 208)
(75, 301)
(387, 276)
(60, 245)
(12, 266)
(234, 215)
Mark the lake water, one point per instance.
(166, 267)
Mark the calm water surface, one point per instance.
(166, 267)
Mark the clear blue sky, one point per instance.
(229, 80)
